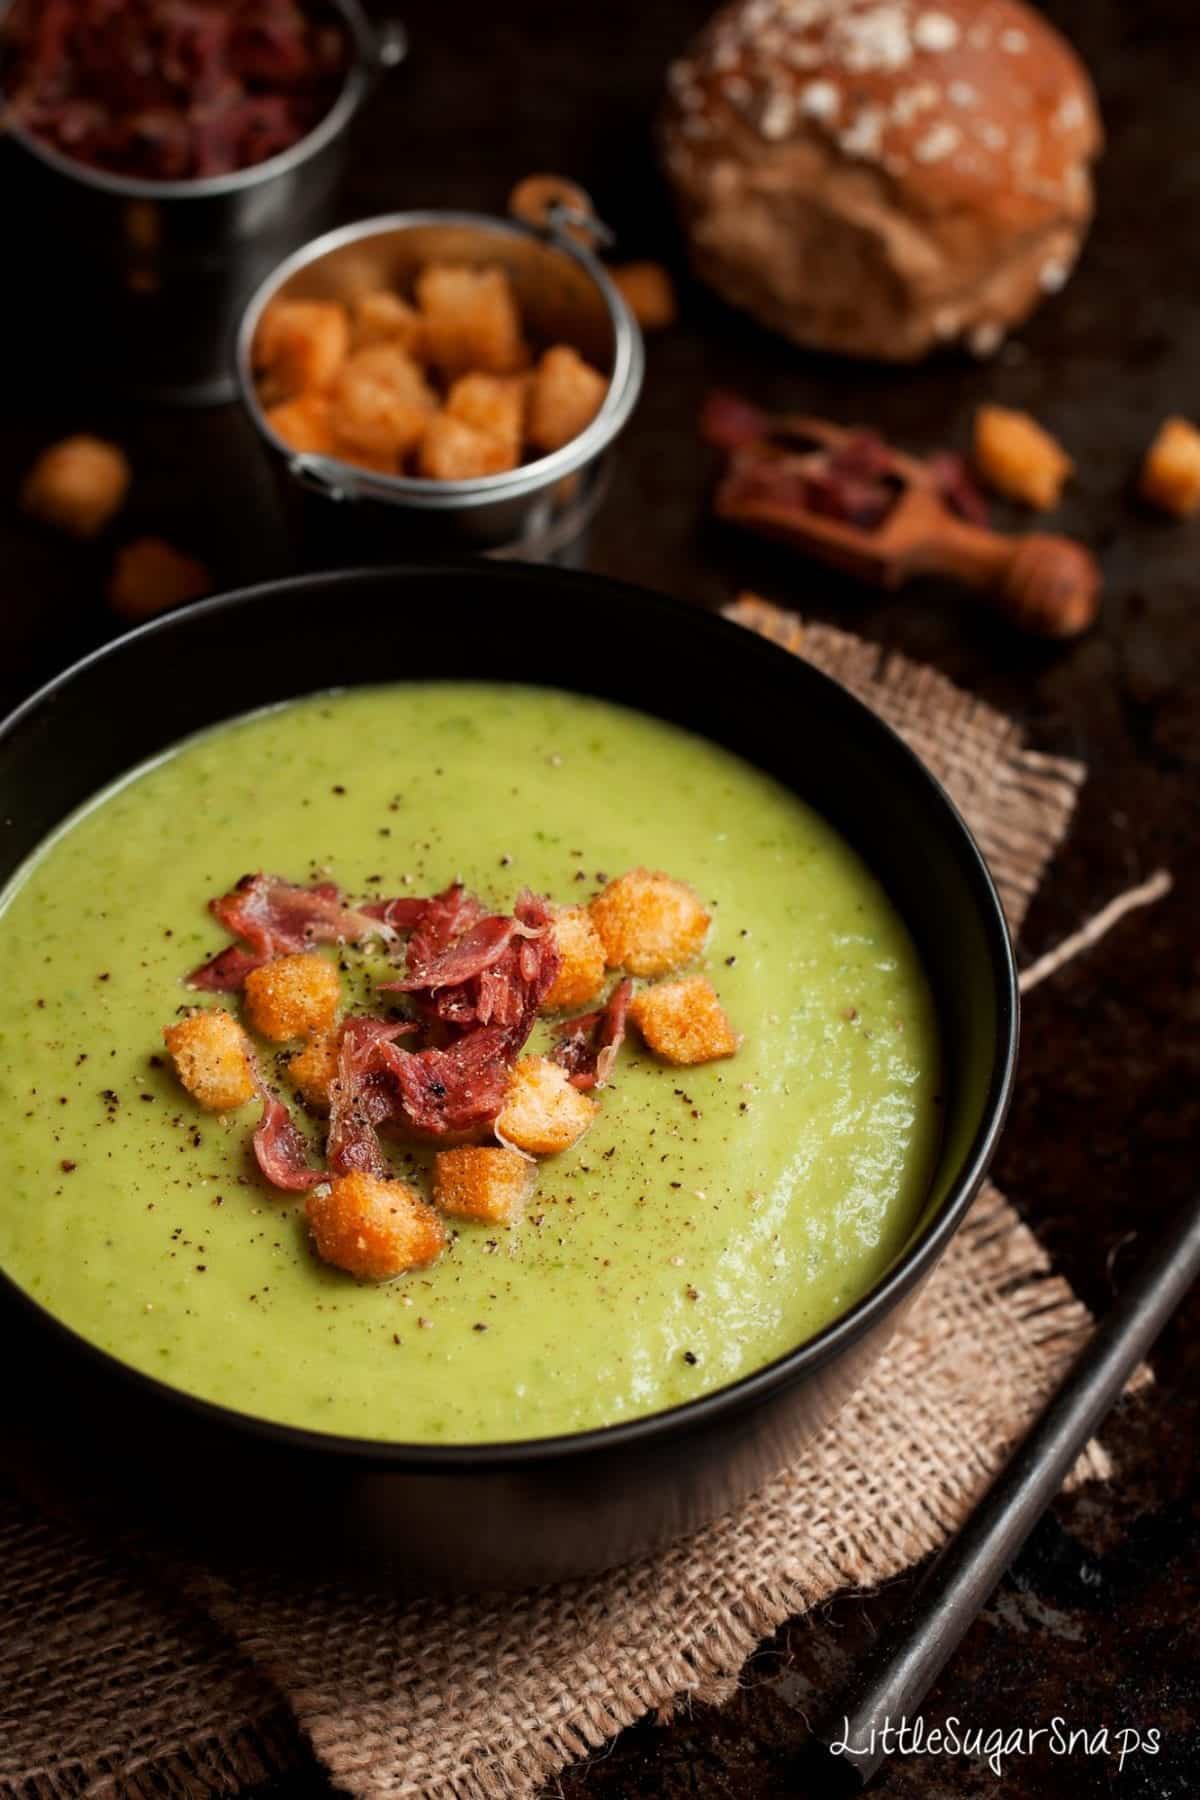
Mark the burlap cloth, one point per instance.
(114, 1680)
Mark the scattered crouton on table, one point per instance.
(373, 1229)
(1018, 458)
(77, 485)
(648, 292)
(1171, 472)
(149, 576)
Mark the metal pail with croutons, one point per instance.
(441, 381)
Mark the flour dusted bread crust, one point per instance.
(880, 176)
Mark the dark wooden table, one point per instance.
(1099, 1621)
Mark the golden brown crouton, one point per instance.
(1018, 458)
(299, 344)
(313, 1070)
(374, 1229)
(1171, 471)
(380, 403)
(683, 1021)
(581, 960)
(77, 485)
(293, 997)
(303, 424)
(150, 575)
(454, 451)
(565, 395)
(649, 923)
(494, 404)
(648, 292)
(471, 320)
(211, 1054)
(482, 1182)
(382, 317)
(543, 1112)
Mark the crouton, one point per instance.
(482, 1182)
(649, 923)
(374, 1229)
(303, 424)
(683, 1021)
(381, 317)
(77, 485)
(543, 1113)
(293, 997)
(565, 395)
(454, 451)
(471, 320)
(494, 404)
(1017, 458)
(648, 292)
(150, 575)
(581, 960)
(313, 1070)
(299, 344)
(1171, 472)
(380, 403)
(211, 1054)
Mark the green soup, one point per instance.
(711, 1219)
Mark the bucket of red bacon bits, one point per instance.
(168, 153)
(429, 382)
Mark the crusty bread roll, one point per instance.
(881, 176)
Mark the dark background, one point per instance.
(1098, 1621)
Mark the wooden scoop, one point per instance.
(1045, 584)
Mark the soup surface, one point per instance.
(710, 1220)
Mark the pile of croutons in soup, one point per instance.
(444, 386)
(448, 1067)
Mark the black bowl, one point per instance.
(436, 1516)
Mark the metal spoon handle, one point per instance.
(909, 1657)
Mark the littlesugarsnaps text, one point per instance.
(994, 1744)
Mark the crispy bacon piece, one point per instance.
(277, 918)
(952, 479)
(587, 1046)
(468, 967)
(362, 1095)
(401, 914)
(280, 1150)
(455, 1091)
(727, 421)
(469, 955)
(850, 482)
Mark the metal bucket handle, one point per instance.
(560, 208)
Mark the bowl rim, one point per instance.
(350, 96)
(344, 481)
(909, 1267)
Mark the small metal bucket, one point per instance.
(166, 266)
(540, 510)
